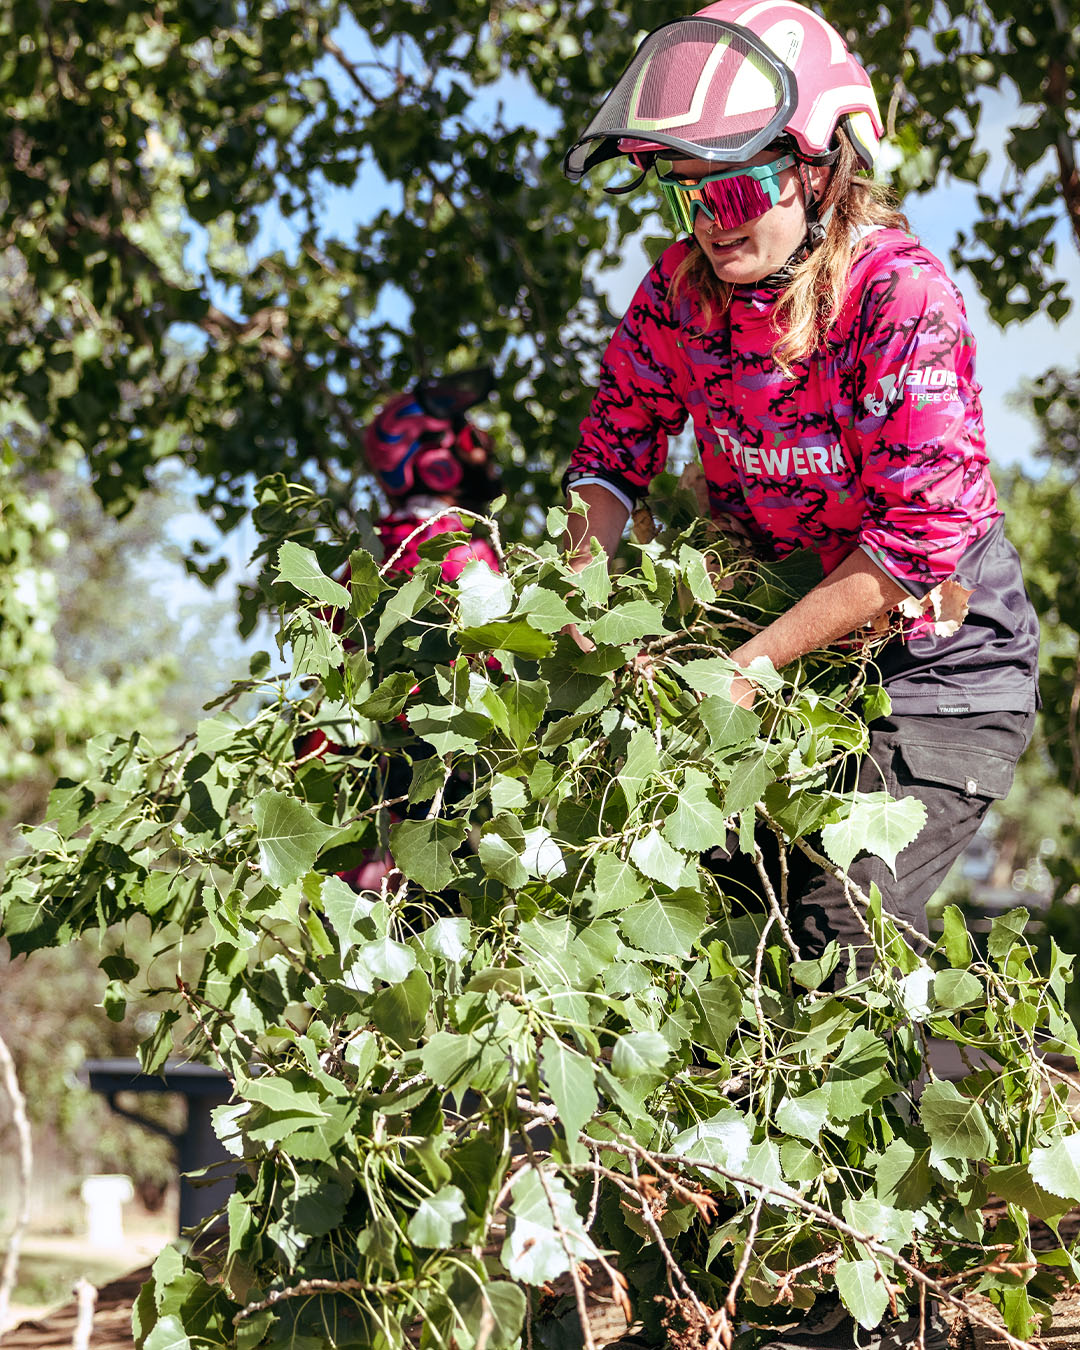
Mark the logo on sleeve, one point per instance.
(924, 386)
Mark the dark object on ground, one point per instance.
(828, 1326)
(197, 1147)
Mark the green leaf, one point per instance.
(506, 635)
(639, 1054)
(728, 725)
(449, 939)
(595, 580)
(300, 568)
(857, 1078)
(289, 836)
(617, 884)
(542, 856)
(1056, 1168)
(667, 927)
(862, 1290)
(447, 727)
(365, 584)
(384, 959)
(388, 699)
(507, 794)
(449, 1059)
(316, 650)
(571, 1081)
(712, 676)
(813, 974)
(958, 989)
(642, 764)
(1016, 1186)
(956, 1124)
(544, 609)
(346, 911)
(956, 938)
(655, 858)
(483, 594)
(424, 850)
(894, 1227)
(628, 622)
(401, 607)
(1006, 931)
(400, 1011)
(749, 779)
(501, 1302)
(717, 1006)
(534, 1251)
(804, 1117)
(697, 823)
(168, 1334)
(500, 856)
(433, 1223)
(876, 824)
(696, 575)
(724, 1139)
(525, 702)
(281, 1095)
(903, 1177)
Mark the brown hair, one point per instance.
(809, 304)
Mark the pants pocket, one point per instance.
(970, 770)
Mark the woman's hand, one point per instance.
(743, 691)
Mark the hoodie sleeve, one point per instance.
(640, 400)
(917, 423)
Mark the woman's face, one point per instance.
(755, 249)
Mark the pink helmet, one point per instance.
(728, 81)
(422, 441)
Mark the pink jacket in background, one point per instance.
(393, 530)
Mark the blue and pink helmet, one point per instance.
(422, 441)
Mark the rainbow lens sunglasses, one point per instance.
(730, 198)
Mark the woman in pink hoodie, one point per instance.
(826, 362)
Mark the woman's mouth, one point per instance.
(727, 245)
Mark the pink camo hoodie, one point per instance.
(875, 441)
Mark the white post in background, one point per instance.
(105, 1197)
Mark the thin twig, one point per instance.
(755, 989)
(564, 1239)
(674, 1269)
(21, 1122)
(744, 1262)
(774, 904)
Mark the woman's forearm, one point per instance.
(853, 594)
(604, 521)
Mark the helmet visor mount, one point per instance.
(729, 199)
(698, 86)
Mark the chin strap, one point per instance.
(816, 227)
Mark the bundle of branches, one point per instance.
(549, 1040)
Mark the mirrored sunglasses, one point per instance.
(730, 198)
